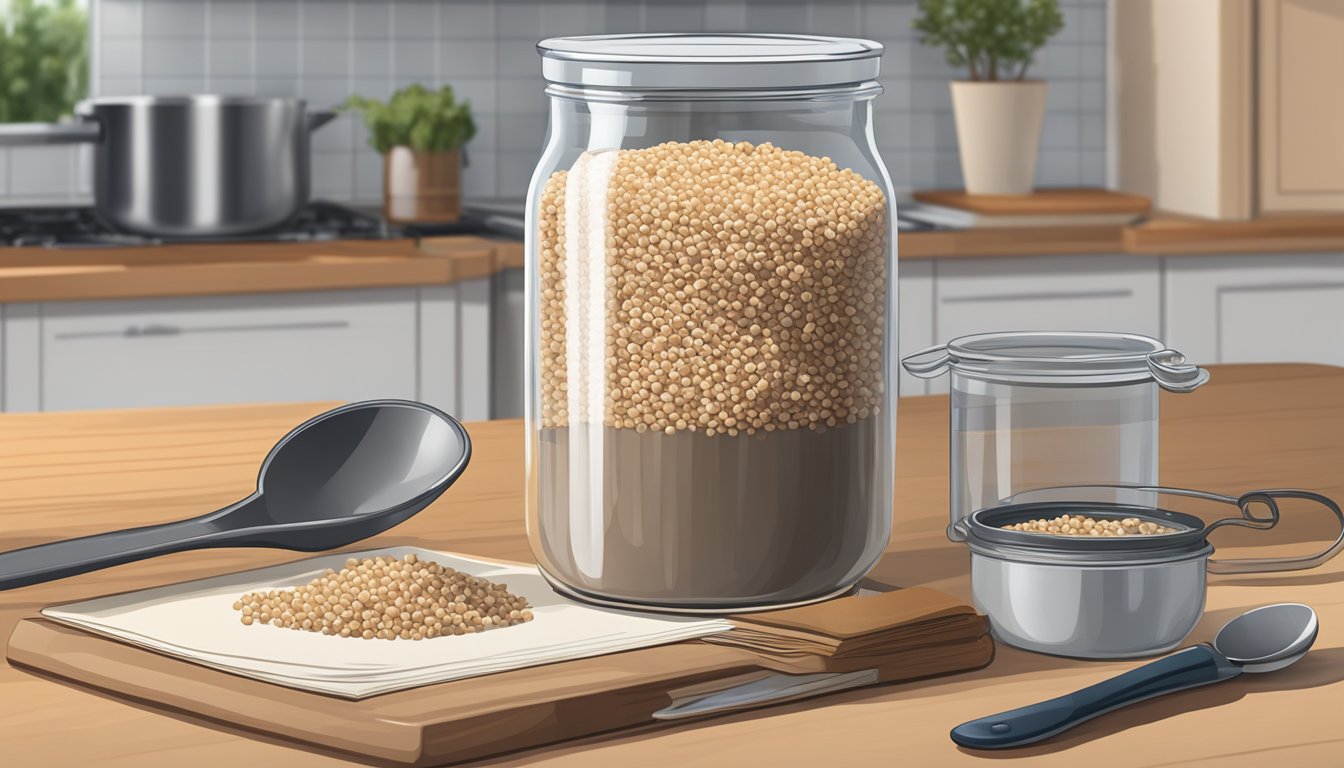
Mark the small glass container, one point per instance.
(1040, 409)
(711, 316)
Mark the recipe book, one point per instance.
(866, 630)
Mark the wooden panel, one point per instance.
(1256, 308)
(42, 274)
(1180, 235)
(1042, 202)
(229, 349)
(1301, 105)
(1181, 106)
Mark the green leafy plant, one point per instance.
(415, 117)
(994, 39)
(44, 60)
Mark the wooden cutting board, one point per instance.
(436, 724)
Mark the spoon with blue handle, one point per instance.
(1260, 640)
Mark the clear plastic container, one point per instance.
(711, 314)
(1035, 410)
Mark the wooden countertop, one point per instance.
(1160, 235)
(1254, 426)
(41, 274)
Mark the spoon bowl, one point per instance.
(340, 477)
(1269, 638)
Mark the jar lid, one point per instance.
(1074, 358)
(708, 62)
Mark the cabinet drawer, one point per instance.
(1049, 293)
(1257, 308)
(348, 345)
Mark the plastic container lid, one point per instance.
(1076, 358)
(708, 61)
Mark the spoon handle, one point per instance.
(1190, 668)
(59, 559)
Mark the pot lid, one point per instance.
(700, 62)
(1076, 358)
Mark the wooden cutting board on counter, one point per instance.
(479, 717)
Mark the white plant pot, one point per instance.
(998, 133)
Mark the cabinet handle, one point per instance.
(165, 329)
(152, 329)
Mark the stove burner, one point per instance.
(78, 227)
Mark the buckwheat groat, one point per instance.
(741, 288)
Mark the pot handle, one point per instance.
(1249, 520)
(86, 131)
(927, 364)
(1173, 373)
(319, 117)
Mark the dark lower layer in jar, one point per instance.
(689, 520)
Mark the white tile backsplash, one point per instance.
(277, 58)
(372, 18)
(324, 50)
(324, 19)
(119, 18)
(120, 57)
(231, 58)
(230, 18)
(413, 19)
(173, 18)
(275, 18)
(414, 58)
(176, 58)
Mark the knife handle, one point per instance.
(1190, 668)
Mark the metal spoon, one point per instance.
(340, 477)
(1260, 640)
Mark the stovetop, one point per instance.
(79, 227)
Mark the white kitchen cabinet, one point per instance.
(1257, 308)
(456, 337)
(506, 349)
(1046, 293)
(915, 322)
(322, 345)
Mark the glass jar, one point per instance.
(1035, 410)
(712, 321)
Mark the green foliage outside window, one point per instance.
(44, 60)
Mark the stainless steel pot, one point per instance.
(190, 166)
(1103, 598)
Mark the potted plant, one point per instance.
(420, 134)
(998, 111)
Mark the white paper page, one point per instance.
(195, 620)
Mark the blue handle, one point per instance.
(1190, 668)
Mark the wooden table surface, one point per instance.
(1254, 426)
